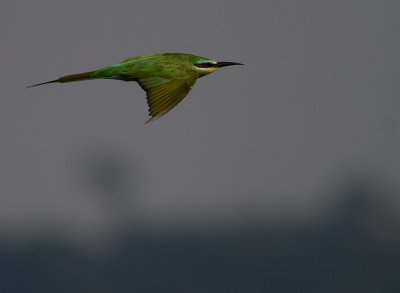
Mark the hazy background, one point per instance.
(278, 176)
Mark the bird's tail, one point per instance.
(70, 78)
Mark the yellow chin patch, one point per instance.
(205, 71)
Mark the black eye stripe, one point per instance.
(204, 65)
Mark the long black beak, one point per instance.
(223, 64)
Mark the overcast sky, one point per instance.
(317, 101)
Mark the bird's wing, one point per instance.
(164, 94)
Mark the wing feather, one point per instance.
(164, 94)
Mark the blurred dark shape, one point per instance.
(342, 253)
(108, 176)
(106, 173)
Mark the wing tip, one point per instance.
(149, 120)
(152, 119)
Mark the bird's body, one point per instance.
(166, 78)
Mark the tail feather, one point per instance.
(70, 78)
(43, 83)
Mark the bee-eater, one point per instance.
(167, 78)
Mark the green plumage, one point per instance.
(166, 78)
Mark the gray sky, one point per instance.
(317, 99)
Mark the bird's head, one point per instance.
(206, 66)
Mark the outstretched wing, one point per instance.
(164, 94)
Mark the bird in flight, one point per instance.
(166, 78)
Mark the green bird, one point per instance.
(167, 78)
